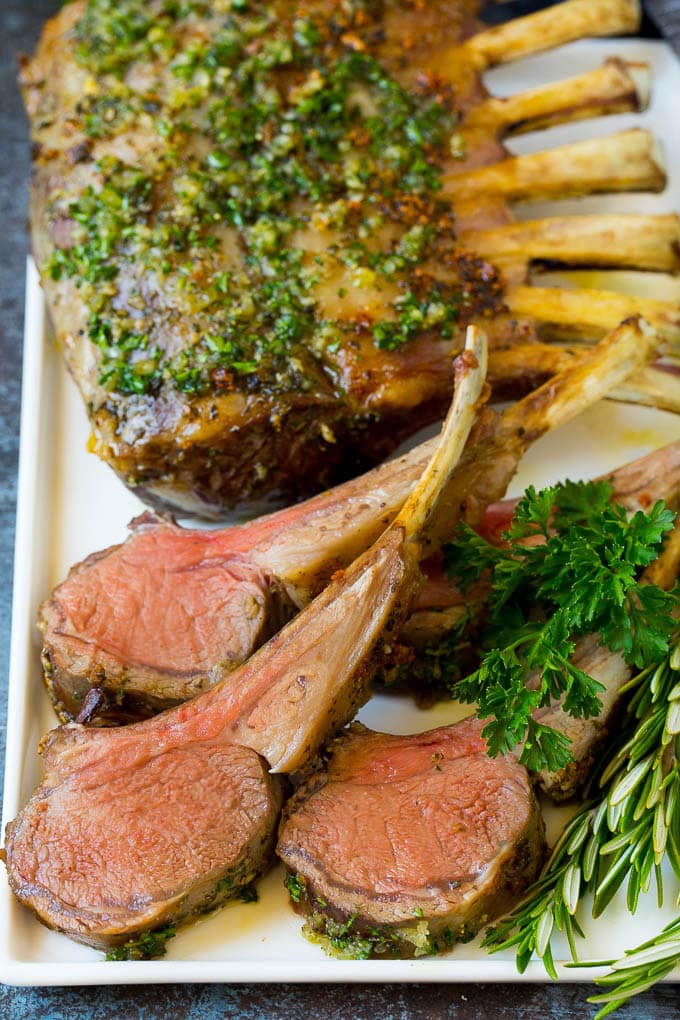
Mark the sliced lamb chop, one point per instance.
(135, 841)
(95, 851)
(167, 614)
(404, 845)
(636, 485)
(441, 604)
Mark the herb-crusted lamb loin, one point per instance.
(243, 214)
(404, 845)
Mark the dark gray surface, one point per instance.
(20, 22)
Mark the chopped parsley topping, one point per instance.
(295, 886)
(253, 136)
(147, 946)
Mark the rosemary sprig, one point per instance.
(624, 832)
(638, 969)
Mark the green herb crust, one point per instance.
(348, 938)
(149, 945)
(275, 126)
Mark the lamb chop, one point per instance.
(145, 625)
(138, 826)
(636, 486)
(246, 225)
(405, 845)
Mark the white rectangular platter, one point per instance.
(71, 504)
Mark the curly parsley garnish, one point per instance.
(571, 567)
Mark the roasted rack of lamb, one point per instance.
(263, 228)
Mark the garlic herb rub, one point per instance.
(292, 177)
(571, 567)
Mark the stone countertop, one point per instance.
(20, 22)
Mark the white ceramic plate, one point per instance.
(71, 504)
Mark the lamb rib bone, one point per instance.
(615, 87)
(140, 826)
(622, 240)
(655, 385)
(543, 30)
(627, 161)
(584, 314)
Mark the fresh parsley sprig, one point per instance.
(624, 832)
(571, 566)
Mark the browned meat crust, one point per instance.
(305, 418)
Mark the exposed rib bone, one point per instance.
(588, 314)
(615, 87)
(422, 506)
(497, 444)
(614, 359)
(621, 241)
(622, 162)
(563, 23)
(654, 385)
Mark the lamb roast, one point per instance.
(256, 225)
